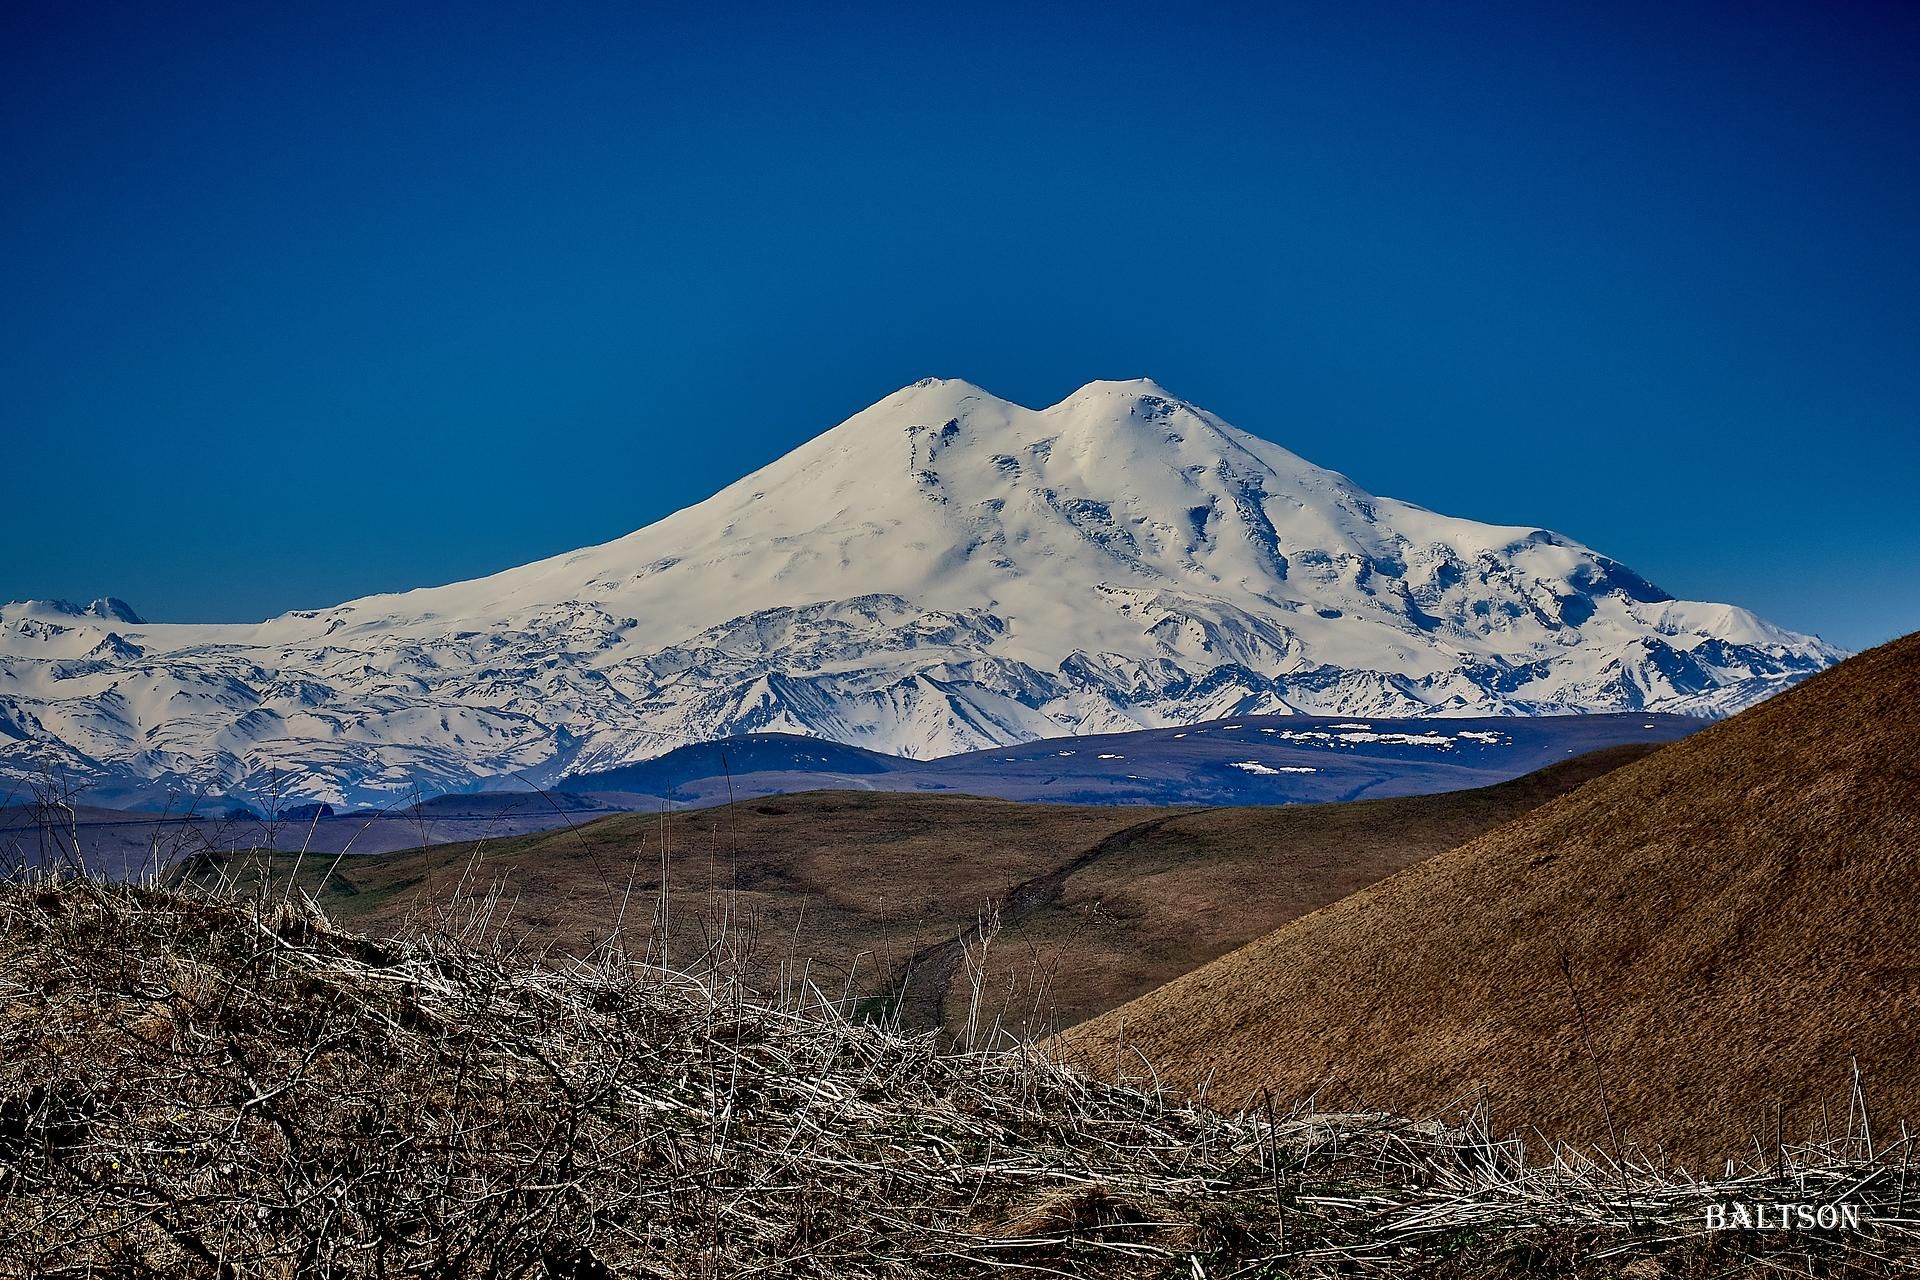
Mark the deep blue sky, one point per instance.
(302, 305)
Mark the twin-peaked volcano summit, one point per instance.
(943, 571)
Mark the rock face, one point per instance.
(944, 571)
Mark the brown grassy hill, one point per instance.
(868, 893)
(1696, 947)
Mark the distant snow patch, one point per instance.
(1354, 736)
(1254, 766)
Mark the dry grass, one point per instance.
(1691, 954)
(223, 1087)
(869, 892)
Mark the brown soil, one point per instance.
(1690, 953)
(867, 893)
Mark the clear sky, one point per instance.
(299, 303)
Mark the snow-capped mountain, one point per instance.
(943, 571)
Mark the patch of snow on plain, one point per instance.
(1254, 766)
(1440, 740)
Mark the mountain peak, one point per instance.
(943, 571)
(923, 384)
(107, 608)
(954, 387)
(115, 609)
(961, 389)
(1122, 387)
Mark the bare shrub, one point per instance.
(204, 1085)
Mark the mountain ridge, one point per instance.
(944, 571)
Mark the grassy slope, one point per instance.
(1735, 912)
(864, 891)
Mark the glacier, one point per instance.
(943, 572)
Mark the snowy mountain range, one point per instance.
(944, 571)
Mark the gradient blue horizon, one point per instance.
(312, 303)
